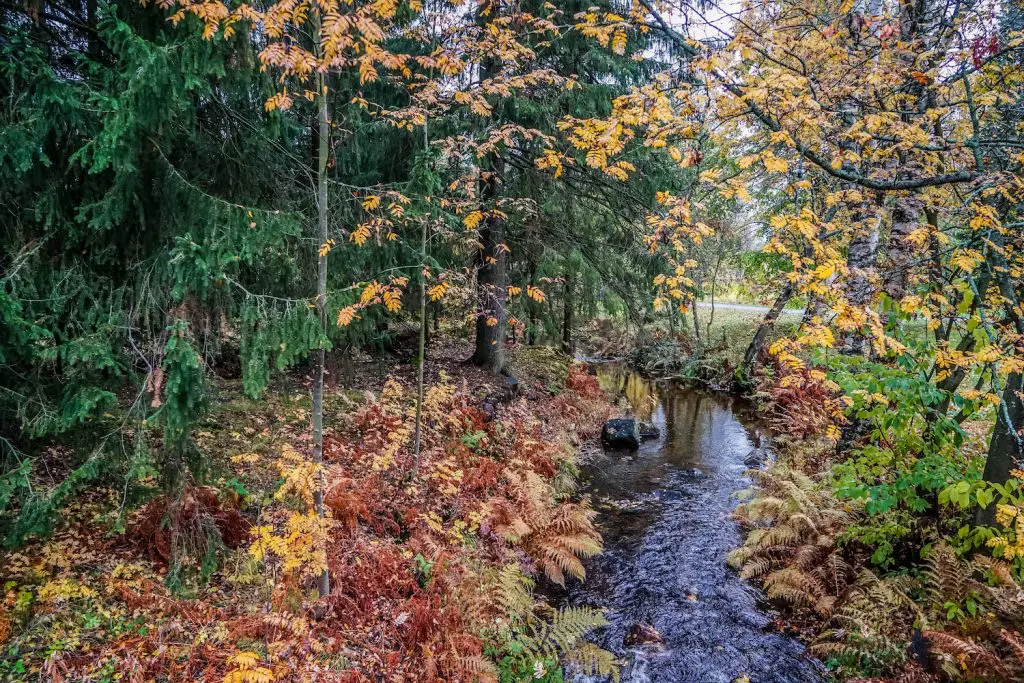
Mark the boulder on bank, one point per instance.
(621, 433)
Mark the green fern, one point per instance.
(503, 608)
(869, 632)
(564, 631)
(591, 660)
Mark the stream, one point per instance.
(665, 518)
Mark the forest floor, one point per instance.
(432, 572)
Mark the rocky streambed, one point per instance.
(678, 613)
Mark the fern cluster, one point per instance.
(556, 534)
(960, 618)
(951, 619)
(526, 635)
(791, 548)
(868, 632)
(973, 616)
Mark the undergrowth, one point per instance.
(433, 574)
(869, 544)
(709, 360)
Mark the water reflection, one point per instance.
(665, 517)
(638, 392)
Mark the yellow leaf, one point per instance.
(710, 175)
(367, 73)
(472, 219)
(747, 161)
(825, 271)
(393, 300)
(774, 163)
(361, 234)
(619, 42)
(438, 291)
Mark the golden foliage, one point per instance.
(556, 534)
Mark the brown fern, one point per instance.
(791, 546)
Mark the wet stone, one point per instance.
(642, 634)
(756, 459)
(621, 433)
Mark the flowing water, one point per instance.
(665, 517)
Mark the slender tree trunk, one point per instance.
(422, 357)
(696, 320)
(714, 284)
(952, 382)
(490, 282)
(427, 333)
(815, 308)
(319, 355)
(757, 344)
(568, 307)
(532, 256)
(91, 20)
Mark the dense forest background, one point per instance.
(162, 222)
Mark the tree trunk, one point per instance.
(319, 355)
(861, 259)
(568, 307)
(714, 284)
(490, 284)
(906, 217)
(1006, 449)
(815, 309)
(952, 382)
(696, 320)
(422, 356)
(91, 21)
(756, 346)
